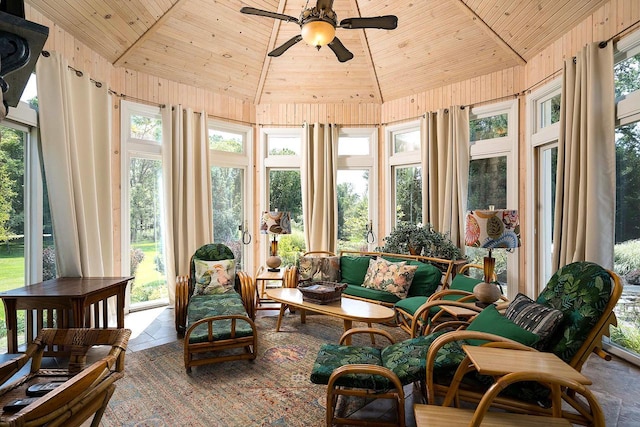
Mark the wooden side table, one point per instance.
(262, 279)
(495, 361)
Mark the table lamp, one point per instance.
(276, 222)
(491, 229)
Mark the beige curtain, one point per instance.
(584, 222)
(187, 174)
(445, 170)
(75, 132)
(319, 197)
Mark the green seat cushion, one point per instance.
(580, 290)
(371, 294)
(491, 321)
(353, 269)
(407, 359)
(410, 304)
(203, 306)
(332, 356)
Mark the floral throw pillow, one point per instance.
(214, 277)
(315, 269)
(392, 277)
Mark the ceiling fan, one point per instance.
(318, 27)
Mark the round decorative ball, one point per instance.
(274, 261)
(486, 293)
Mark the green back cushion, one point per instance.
(425, 281)
(464, 283)
(353, 269)
(491, 321)
(580, 290)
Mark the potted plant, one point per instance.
(418, 239)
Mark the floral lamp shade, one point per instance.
(276, 222)
(492, 229)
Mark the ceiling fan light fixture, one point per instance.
(318, 33)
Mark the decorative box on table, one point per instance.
(321, 292)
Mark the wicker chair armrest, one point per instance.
(422, 312)
(376, 331)
(364, 369)
(248, 293)
(556, 384)
(439, 294)
(460, 335)
(209, 321)
(181, 302)
(290, 278)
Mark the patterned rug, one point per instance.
(273, 390)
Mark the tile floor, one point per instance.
(615, 383)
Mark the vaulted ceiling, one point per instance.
(210, 44)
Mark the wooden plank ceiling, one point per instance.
(210, 44)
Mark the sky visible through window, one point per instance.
(30, 90)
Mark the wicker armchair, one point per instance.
(214, 322)
(84, 390)
(586, 294)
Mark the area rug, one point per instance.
(273, 390)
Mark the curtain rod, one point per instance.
(617, 36)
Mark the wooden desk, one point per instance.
(64, 295)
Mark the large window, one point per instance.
(281, 149)
(356, 189)
(493, 177)
(231, 148)
(543, 117)
(142, 205)
(27, 252)
(405, 189)
(625, 337)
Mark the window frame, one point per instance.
(267, 164)
(242, 160)
(497, 147)
(145, 149)
(537, 139)
(362, 162)
(25, 119)
(627, 111)
(393, 160)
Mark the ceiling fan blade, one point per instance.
(286, 45)
(387, 22)
(260, 12)
(342, 53)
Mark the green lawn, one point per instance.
(149, 283)
(11, 266)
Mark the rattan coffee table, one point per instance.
(347, 309)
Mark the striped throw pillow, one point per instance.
(528, 314)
